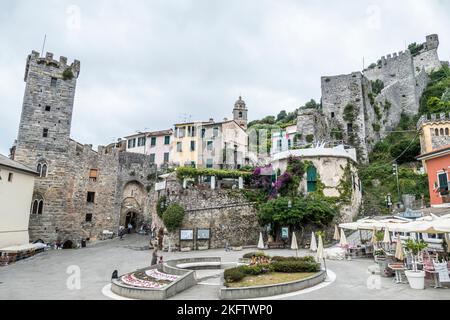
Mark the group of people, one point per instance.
(123, 230)
(255, 260)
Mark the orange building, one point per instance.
(437, 163)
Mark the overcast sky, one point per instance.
(144, 64)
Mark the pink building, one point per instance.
(156, 144)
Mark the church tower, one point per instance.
(240, 113)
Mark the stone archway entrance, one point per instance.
(132, 208)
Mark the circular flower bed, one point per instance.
(148, 279)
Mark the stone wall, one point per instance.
(310, 122)
(226, 212)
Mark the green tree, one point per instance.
(282, 115)
(173, 217)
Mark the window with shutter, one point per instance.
(311, 179)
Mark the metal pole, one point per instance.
(398, 184)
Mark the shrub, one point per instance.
(349, 113)
(254, 254)
(310, 138)
(255, 270)
(173, 217)
(377, 86)
(233, 275)
(68, 74)
(285, 259)
(295, 266)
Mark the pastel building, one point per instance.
(284, 140)
(16, 194)
(437, 164)
(156, 144)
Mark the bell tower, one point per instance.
(240, 113)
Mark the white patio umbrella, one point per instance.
(261, 242)
(374, 236)
(319, 254)
(294, 244)
(336, 236)
(399, 249)
(313, 246)
(343, 241)
(387, 238)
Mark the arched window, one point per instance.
(442, 132)
(42, 168)
(44, 171)
(446, 131)
(34, 207)
(41, 207)
(311, 173)
(240, 114)
(436, 132)
(37, 205)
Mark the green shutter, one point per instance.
(311, 173)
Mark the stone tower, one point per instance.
(44, 138)
(432, 41)
(240, 113)
(47, 107)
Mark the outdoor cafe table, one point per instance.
(398, 268)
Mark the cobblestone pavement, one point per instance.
(45, 276)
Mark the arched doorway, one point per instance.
(132, 207)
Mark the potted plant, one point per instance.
(416, 278)
(236, 246)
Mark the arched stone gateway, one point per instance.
(133, 203)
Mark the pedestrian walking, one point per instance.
(121, 232)
(130, 226)
(154, 257)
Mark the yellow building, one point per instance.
(434, 133)
(186, 143)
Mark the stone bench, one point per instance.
(200, 265)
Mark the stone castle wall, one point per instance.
(226, 212)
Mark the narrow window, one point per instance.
(47, 108)
(289, 144)
(215, 132)
(93, 174)
(141, 141)
(10, 177)
(192, 145)
(311, 179)
(167, 140)
(436, 132)
(182, 132)
(35, 206)
(203, 132)
(88, 217)
(446, 131)
(41, 207)
(45, 133)
(44, 171)
(193, 165)
(53, 82)
(131, 143)
(332, 115)
(443, 183)
(240, 114)
(166, 157)
(38, 169)
(153, 142)
(350, 128)
(209, 163)
(441, 132)
(179, 147)
(90, 197)
(152, 158)
(209, 145)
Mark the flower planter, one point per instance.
(416, 279)
(236, 248)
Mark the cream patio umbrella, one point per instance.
(336, 236)
(319, 254)
(387, 237)
(343, 241)
(261, 242)
(399, 249)
(294, 245)
(313, 246)
(374, 236)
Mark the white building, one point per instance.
(16, 193)
(284, 139)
